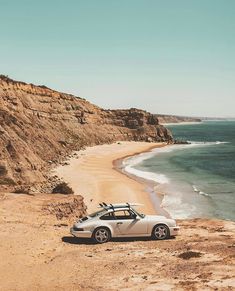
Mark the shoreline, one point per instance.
(95, 173)
(35, 241)
(150, 185)
(183, 123)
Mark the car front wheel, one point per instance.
(101, 235)
(160, 232)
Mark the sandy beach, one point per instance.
(39, 253)
(117, 146)
(91, 173)
(182, 123)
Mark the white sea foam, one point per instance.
(130, 163)
(195, 189)
(174, 202)
(206, 143)
(203, 193)
(137, 159)
(159, 178)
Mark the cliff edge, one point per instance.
(40, 126)
(164, 118)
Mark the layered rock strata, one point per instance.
(40, 126)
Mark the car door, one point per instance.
(112, 222)
(127, 223)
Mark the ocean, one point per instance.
(198, 179)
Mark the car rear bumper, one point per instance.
(174, 230)
(84, 233)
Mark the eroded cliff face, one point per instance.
(40, 126)
(176, 119)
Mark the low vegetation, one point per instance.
(63, 188)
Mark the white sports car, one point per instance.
(122, 220)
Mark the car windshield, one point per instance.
(97, 213)
(140, 214)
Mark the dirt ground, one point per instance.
(38, 253)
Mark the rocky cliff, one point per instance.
(40, 126)
(163, 118)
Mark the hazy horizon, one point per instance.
(175, 57)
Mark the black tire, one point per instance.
(160, 232)
(101, 235)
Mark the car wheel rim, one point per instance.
(160, 232)
(101, 235)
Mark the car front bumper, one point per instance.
(174, 230)
(82, 234)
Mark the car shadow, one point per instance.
(87, 241)
(77, 241)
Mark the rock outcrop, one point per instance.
(69, 208)
(40, 126)
(163, 118)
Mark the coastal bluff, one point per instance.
(38, 253)
(164, 119)
(39, 127)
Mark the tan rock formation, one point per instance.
(40, 126)
(163, 118)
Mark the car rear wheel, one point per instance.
(101, 235)
(160, 232)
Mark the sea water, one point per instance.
(198, 180)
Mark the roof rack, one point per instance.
(112, 206)
(104, 205)
(119, 205)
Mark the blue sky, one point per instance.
(172, 56)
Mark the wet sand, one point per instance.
(38, 252)
(93, 174)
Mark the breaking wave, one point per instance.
(175, 201)
(199, 143)
(130, 163)
(195, 189)
(159, 178)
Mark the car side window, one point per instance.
(108, 216)
(124, 214)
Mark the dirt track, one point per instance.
(38, 253)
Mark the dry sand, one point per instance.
(38, 253)
(92, 174)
